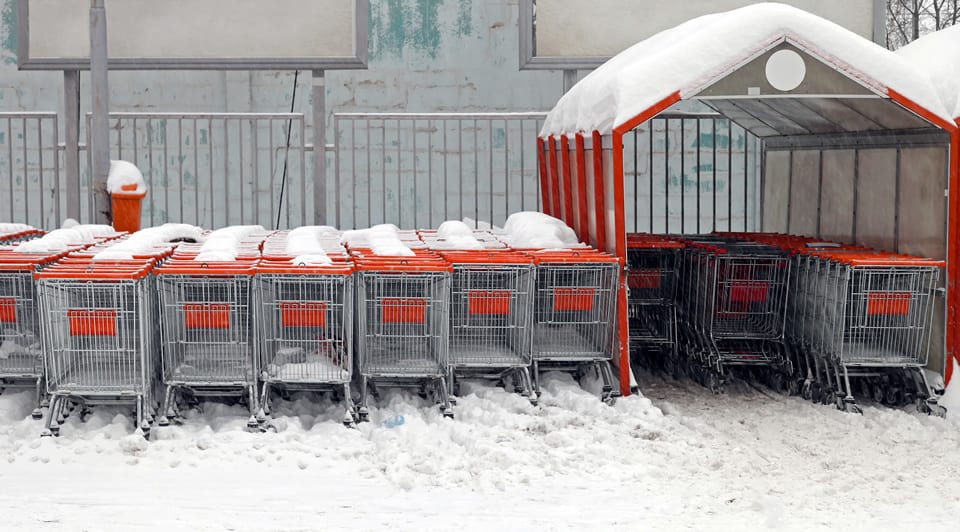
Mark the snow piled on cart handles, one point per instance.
(691, 56)
(938, 56)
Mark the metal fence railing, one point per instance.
(215, 169)
(417, 170)
(30, 178)
(691, 173)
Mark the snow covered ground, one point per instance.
(678, 459)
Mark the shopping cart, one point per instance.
(402, 322)
(574, 323)
(871, 318)
(99, 336)
(491, 308)
(305, 329)
(733, 304)
(653, 268)
(21, 353)
(207, 334)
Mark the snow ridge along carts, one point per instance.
(207, 333)
(402, 323)
(491, 311)
(653, 270)
(574, 322)
(733, 305)
(100, 331)
(305, 326)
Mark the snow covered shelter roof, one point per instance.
(938, 56)
(691, 57)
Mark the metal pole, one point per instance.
(100, 127)
(569, 80)
(71, 126)
(319, 149)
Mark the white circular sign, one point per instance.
(786, 70)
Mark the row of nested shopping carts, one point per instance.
(804, 314)
(159, 329)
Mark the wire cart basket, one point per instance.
(871, 315)
(733, 301)
(491, 312)
(21, 349)
(574, 320)
(402, 322)
(306, 330)
(99, 335)
(653, 270)
(207, 332)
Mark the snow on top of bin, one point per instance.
(694, 54)
(938, 56)
(124, 174)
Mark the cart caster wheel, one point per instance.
(252, 423)
(448, 414)
(931, 408)
(453, 401)
(851, 407)
(261, 417)
(793, 389)
(164, 421)
(534, 400)
(363, 416)
(55, 432)
(37, 414)
(610, 401)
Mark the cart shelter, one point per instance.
(855, 142)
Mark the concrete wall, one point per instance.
(425, 56)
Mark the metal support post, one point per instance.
(319, 148)
(71, 126)
(99, 125)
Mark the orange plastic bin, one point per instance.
(126, 208)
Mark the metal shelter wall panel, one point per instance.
(922, 207)
(836, 195)
(804, 185)
(876, 198)
(776, 191)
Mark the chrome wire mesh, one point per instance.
(574, 311)
(207, 329)
(99, 336)
(490, 315)
(402, 323)
(21, 353)
(306, 328)
(652, 278)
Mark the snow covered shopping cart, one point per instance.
(207, 331)
(99, 336)
(402, 324)
(491, 307)
(733, 299)
(306, 330)
(574, 324)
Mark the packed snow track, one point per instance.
(678, 458)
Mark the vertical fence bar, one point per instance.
(303, 177)
(43, 211)
(369, 173)
(240, 170)
(729, 175)
(26, 173)
(699, 213)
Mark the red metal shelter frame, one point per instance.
(608, 185)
